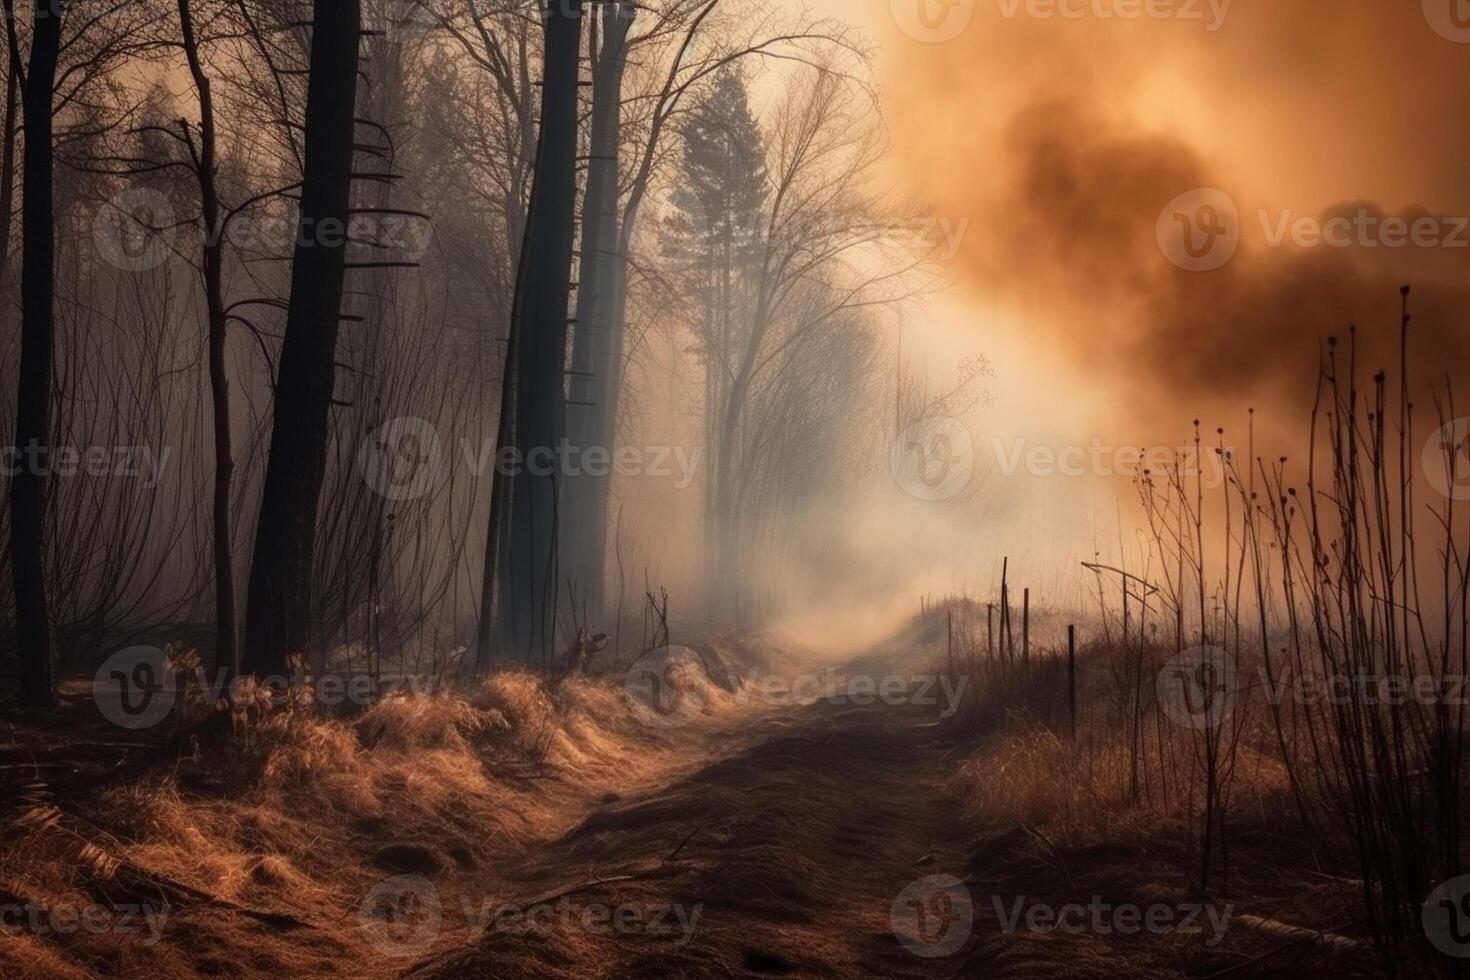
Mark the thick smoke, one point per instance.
(1065, 139)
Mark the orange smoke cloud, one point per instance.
(1331, 135)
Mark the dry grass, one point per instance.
(263, 842)
(1114, 811)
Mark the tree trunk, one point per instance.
(517, 225)
(527, 617)
(500, 493)
(278, 606)
(7, 167)
(728, 566)
(33, 392)
(596, 352)
(227, 644)
(729, 560)
(712, 366)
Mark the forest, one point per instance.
(723, 488)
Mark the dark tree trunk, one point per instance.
(597, 340)
(517, 225)
(33, 393)
(227, 644)
(277, 614)
(526, 616)
(7, 166)
(496, 559)
(499, 507)
(728, 577)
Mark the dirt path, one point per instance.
(785, 859)
(825, 840)
(818, 841)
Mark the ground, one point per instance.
(793, 850)
(829, 839)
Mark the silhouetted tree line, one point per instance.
(258, 238)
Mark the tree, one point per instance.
(98, 550)
(38, 335)
(204, 159)
(597, 343)
(277, 615)
(716, 232)
(527, 611)
(7, 156)
(504, 147)
(782, 252)
(684, 45)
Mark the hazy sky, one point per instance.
(1077, 142)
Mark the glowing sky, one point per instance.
(1057, 132)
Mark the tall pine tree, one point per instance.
(717, 230)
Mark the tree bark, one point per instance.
(33, 392)
(515, 86)
(496, 560)
(278, 605)
(7, 166)
(499, 507)
(597, 339)
(527, 613)
(227, 644)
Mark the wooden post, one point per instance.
(1125, 611)
(990, 630)
(1006, 647)
(949, 637)
(1026, 625)
(1072, 677)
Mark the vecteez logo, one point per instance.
(405, 458)
(1197, 688)
(402, 459)
(1446, 917)
(1102, 459)
(1445, 459)
(1209, 13)
(137, 230)
(1199, 231)
(142, 463)
(933, 459)
(1364, 228)
(135, 688)
(134, 230)
(933, 917)
(145, 921)
(666, 687)
(401, 916)
(138, 687)
(1100, 917)
(1450, 19)
(933, 21)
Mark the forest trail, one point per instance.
(841, 836)
(786, 858)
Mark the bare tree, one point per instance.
(278, 604)
(204, 157)
(38, 337)
(597, 344)
(780, 256)
(496, 133)
(10, 130)
(526, 615)
(682, 47)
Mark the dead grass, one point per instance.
(1113, 811)
(262, 843)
